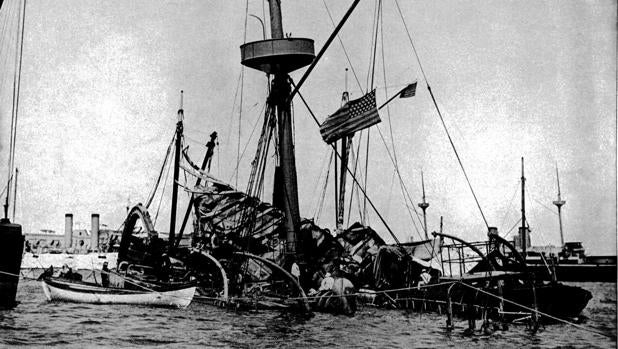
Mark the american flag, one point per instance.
(354, 116)
(409, 91)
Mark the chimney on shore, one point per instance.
(94, 235)
(68, 230)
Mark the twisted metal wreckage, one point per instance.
(245, 253)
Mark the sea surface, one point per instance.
(35, 322)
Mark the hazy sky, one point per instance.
(101, 82)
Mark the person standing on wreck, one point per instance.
(295, 270)
(105, 275)
(425, 279)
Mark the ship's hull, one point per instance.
(585, 272)
(10, 260)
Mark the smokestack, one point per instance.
(94, 235)
(68, 230)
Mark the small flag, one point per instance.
(354, 116)
(409, 91)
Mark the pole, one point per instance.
(559, 203)
(323, 49)
(280, 99)
(206, 163)
(171, 238)
(424, 205)
(523, 210)
(15, 193)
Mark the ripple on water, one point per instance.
(38, 322)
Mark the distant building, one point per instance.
(49, 241)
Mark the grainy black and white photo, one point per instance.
(308, 174)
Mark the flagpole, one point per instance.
(393, 97)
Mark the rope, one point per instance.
(378, 292)
(345, 52)
(540, 312)
(162, 193)
(440, 115)
(402, 185)
(242, 155)
(320, 204)
(154, 189)
(353, 177)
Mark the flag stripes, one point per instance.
(354, 116)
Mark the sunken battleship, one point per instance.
(245, 253)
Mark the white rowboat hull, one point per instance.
(180, 298)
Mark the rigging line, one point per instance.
(319, 180)
(375, 44)
(355, 180)
(546, 207)
(373, 70)
(510, 204)
(16, 88)
(21, 55)
(440, 115)
(153, 191)
(6, 186)
(9, 43)
(390, 127)
(229, 130)
(16, 84)
(345, 52)
(411, 41)
(591, 330)
(10, 157)
(388, 109)
(322, 197)
(390, 191)
(352, 154)
(403, 186)
(513, 227)
(364, 219)
(372, 43)
(162, 193)
(242, 87)
(242, 155)
(322, 50)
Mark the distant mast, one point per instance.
(523, 230)
(424, 205)
(559, 203)
(179, 127)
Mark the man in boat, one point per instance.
(105, 275)
(68, 273)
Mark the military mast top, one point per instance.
(280, 56)
(424, 205)
(559, 203)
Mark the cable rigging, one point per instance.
(440, 115)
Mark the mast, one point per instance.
(523, 210)
(559, 203)
(210, 150)
(171, 237)
(287, 160)
(423, 205)
(345, 153)
(280, 56)
(15, 192)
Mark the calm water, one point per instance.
(39, 323)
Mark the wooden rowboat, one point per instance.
(83, 292)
